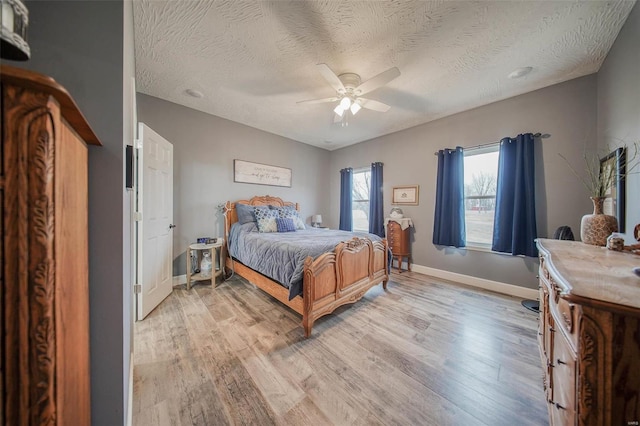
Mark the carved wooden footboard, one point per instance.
(331, 280)
(342, 277)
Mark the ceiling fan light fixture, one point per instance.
(355, 107)
(345, 103)
(339, 110)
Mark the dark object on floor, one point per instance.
(563, 233)
(532, 305)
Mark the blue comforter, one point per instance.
(281, 255)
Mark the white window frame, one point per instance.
(468, 152)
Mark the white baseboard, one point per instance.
(509, 289)
(498, 287)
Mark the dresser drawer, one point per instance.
(563, 382)
(565, 315)
(396, 248)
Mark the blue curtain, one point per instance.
(346, 190)
(514, 228)
(376, 207)
(448, 226)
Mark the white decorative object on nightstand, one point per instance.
(214, 252)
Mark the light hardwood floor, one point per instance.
(421, 353)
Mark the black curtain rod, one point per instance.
(535, 135)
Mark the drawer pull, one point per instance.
(551, 329)
(539, 334)
(559, 361)
(558, 406)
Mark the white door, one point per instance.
(155, 229)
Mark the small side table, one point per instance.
(399, 240)
(215, 250)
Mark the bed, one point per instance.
(339, 276)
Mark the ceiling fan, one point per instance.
(349, 89)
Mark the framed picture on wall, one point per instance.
(406, 195)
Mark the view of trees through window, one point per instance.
(360, 200)
(480, 181)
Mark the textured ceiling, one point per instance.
(253, 60)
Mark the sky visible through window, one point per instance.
(476, 164)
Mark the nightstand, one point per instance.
(398, 239)
(215, 251)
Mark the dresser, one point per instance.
(589, 334)
(45, 276)
(399, 241)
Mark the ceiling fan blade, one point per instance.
(373, 105)
(331, 78)
(377, 81)
(318, 101)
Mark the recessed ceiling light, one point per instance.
(194, 93)
(520, 72)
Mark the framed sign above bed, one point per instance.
(261, 174)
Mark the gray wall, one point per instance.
(566, 111)
(80, 44)
(619, 104)
(204, 149)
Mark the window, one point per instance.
(480, 180)
(360, 199)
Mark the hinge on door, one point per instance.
(137, 288)
(137, 216)
(137, 143)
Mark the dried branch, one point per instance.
(599, 180)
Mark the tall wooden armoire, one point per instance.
(45, 273)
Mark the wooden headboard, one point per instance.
(231, 215)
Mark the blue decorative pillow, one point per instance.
(266, 219)
(245, 213)
(285, 225)
(288, 213)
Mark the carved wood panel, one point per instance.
(591, 371)
(30, 264)
(625, 377)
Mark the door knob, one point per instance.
(171, 226)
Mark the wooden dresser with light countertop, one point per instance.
(589, 334)
(44, 309)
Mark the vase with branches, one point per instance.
(601, 177)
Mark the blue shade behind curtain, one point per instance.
(346, 189)
(448, 226)
(514, 228)
(376, 207)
